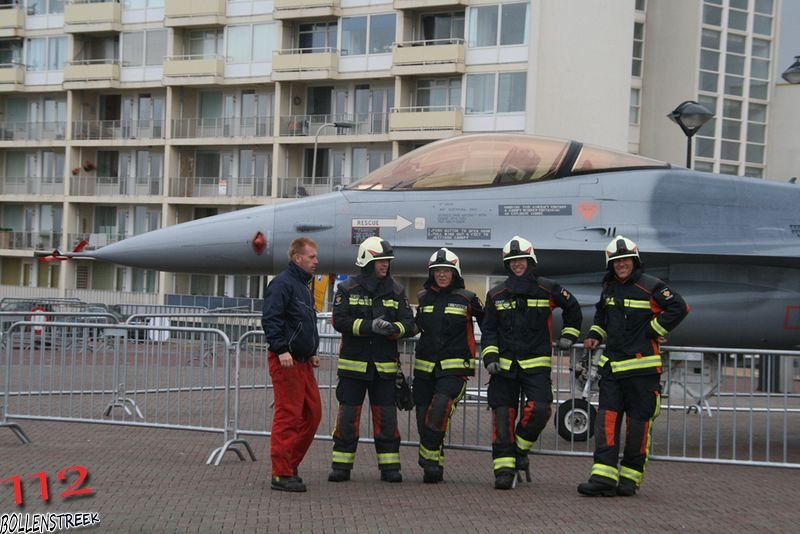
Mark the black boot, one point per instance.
(391, 475)
(504, 479)
(595, 488)
(432, 474)
(339, 475)
(287, 484)
(626, 487)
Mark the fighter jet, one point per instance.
(730, 245)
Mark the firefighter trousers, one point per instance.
(510, 442)
(639, 399)
(350, 393)
(435, 401)
(296, 416)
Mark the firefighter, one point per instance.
(517, 348)
(371, 311)
(634, 313)
(445, 356)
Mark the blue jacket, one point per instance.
(289, 319)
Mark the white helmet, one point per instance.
(518, 247)
(622, 247)
(373, 248)
(445, 258)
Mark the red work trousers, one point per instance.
(296, 415)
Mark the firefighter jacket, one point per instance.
(289, 319)
(630, 317)
(358, 301)
(447, 342)
(518, 320)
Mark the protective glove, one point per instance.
(565, 343)
(382, 327)
(493, 368)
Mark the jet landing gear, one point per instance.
(575, 417)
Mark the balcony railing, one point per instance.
(219, 187)
(419, 118)
(115, 186)
(12, 75)
(294, 187)
(304, 63)
(182, 68)
(30, 185)
(297, 9)
(32, 131)
(92, 70)
(12, 18)
(433, 56)
(92, 16)
(194, 12)
(238, 127)
(29, 240)
(364, 124)
(118, 129)
(95, 239)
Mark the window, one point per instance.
(442, 26)
(510, 92)
(633, 115)
(10, 52)
(381, 33)
(355, 34)
(249, 43)
(712, 15)
(511, 87)
(205, 43)
(638, 48)
(317, 37)
(486, 25)
(132, 49)
(442, 93)
(155, 47)
(480, 93)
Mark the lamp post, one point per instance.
(690, 116)
(792, 74)
(337, 124)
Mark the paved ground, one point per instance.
(152, 480)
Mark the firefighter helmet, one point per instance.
(444, 258)
(373, 248)
(518, 247)
(622, 247)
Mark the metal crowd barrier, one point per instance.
(184, 372)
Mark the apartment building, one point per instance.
(117, 118)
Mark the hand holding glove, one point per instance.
(565, 343)
(493, 368)
(382, 327)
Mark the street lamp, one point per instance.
(690, 116)
(792, 74)
(337, 124)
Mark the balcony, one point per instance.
(31, 185)
(293, 187)
(91, 74)
(238, 127)
(420, 4)
(95, 240)
(93, 186)
(12, 77)
(186, 13)
(12, 20)
(424, 122)
(305, 64)
(193, 70)
(423, 58)
(214, 186)
(305, 9)
(109, 130)
(307, 125)
(32, 131)
(92, 16)
(29, 240)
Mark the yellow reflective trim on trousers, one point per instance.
(572, 331)
(386, 367)
(505, 462)
(452, 310)
(360, 301)
(352, 365)
(402, 328)
(645, 362)
(536, 361)
(490, 349)
(457, 363)
(596, 329)
(538, 303)
(357, 326)
(655, 325)
(523, 444)
(391, 303)
(426, 309)
(607, 471)
(428, 454)
(424, 365)
(632, 474)
(388, 458)
(505, 364)
(638, 304)
(343, 457)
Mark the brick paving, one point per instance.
(155, 480)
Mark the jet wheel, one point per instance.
(575, 420)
